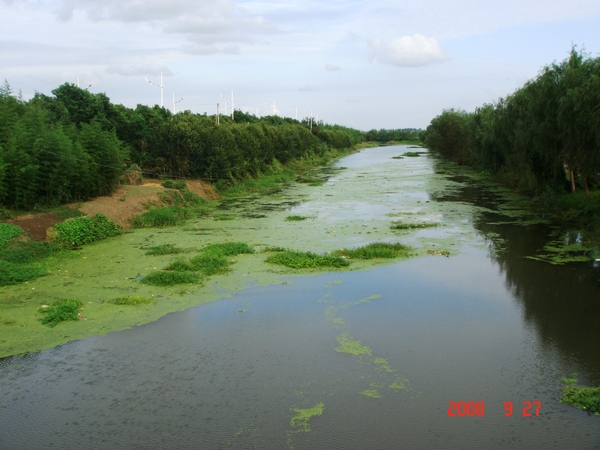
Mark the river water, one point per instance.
(486, 325)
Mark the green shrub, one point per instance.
(165, 249)
(132, 300)
(305, 260)
(181, 265)
(175, 184)
(171, 278)
(162, 216)
(11, 273)
(8, 232)
(60, 311)
(229, 248)
(83, 230)
(375, 250)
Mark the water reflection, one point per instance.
(561, 302)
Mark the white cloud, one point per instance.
(332, 67)
(408, 51)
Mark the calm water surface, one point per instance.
(484, 325)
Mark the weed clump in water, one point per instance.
(171, 278)
(210, 264)
(586, 398)
(60, 311)
(411, 226)
(133, 300)
(229, 248)
(302, 416)
(296, 218)
(376, 250)
(165, 249)
(306, 260)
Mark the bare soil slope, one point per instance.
(120, 207)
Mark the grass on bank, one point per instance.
(586, 398)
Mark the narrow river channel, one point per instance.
(370, 358)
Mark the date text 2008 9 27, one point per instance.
(470, 409)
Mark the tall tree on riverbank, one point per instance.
(546, 135)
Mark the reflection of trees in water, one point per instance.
(563, 302)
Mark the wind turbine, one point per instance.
(181, 99)
(161, 86)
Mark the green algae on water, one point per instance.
(351, 346)
(373, 393)
(302, 416)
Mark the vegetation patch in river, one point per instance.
(306, 260)
(411, 226)
(132, 300)
(373, 393)
(376, 250)
(351, 346)
(60, 311)
(165, 249)
(566, 249)
(171, 278)
(297, 218)
(229, 248)
(586, 398)
(301, 417)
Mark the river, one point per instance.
(366, 358)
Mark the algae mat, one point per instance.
(360, 198)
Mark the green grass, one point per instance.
(411, 226)
(162, 216)
(171, 278)
(11, 273)
(60, 311)
(305, 260)
(413, 154)
(586, 398)
(132, 300)
(165, 249)
(376, 250)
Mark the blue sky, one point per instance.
(375, 64)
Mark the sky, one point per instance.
(362, 64)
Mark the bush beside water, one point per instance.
(83, 230)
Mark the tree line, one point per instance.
(543, 137)
(75, 145)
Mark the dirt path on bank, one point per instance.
(120, 207)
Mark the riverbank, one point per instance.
(99, 274)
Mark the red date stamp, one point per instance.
(470, 409)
